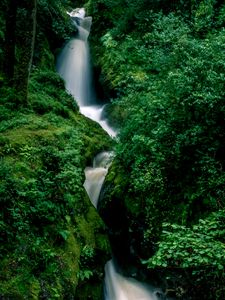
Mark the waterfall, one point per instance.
(73, 65)
(118, 287)
(95, 175)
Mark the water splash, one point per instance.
(118, 287)
(96, 113)
(77, 13)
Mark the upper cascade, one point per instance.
(82, 23)
(77, 13)
(73, 63)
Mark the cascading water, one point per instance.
(118, 287)
(95, 175)
(74, 67)
(73, 62)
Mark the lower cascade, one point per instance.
(118, 287)
(73, 65)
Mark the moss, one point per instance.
(71, 260)
(46, 218)
(114, 185)
(34, 290)
(33, 157)
(91, 291)
(95, 252)
(47, 59)
(98, 140)
(16, 287)
(102, 243)
(88, 225)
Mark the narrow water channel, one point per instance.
(73, 65)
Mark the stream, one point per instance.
(73, 65)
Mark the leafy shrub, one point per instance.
(198, 250)
(200, 246)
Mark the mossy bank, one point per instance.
(53, 243)
(52, 239)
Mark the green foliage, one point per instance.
(203, 15)
(57, 23)
(41, 194)
(87, 258)
(84, 274)
(199, 250)
(202, 245)
(167, 73)
(220, 18)
(168, 87)
(48, 94)
(43, 152)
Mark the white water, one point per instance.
(118, 287)
(74, 67)
(95, 175)
(95, 112)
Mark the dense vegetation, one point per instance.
(164, 64)
(52, 241)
